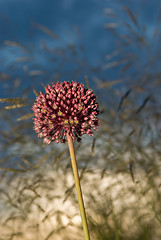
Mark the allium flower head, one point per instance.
(65, 108)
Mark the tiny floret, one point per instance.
(60, 113)
(71, 121)
(65, 108)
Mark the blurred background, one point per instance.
(112, 47)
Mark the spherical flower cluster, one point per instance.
(65, 108)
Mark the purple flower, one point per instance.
(65, 108)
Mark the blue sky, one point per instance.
(81, 22)
(62, 17)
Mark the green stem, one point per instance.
(78, 188)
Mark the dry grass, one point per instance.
(119, 168)
(38, 205)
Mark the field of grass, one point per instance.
(120, 166)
